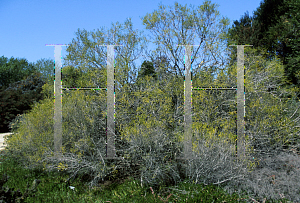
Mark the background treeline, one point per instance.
(20, 87)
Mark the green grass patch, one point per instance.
(53, 188)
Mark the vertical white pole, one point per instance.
(110, 153)
(187, 103)
(57, 100)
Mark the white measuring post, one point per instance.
(57, 99)
(240, 152)
(240, 102)
(110, 150)
(110, 145)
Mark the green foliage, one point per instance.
(22, 140)
(19, 98)
(14, 70)
(89, 57)
(267, 110)
(152, 107)
(70, 76)
(181, 25)
(46, 68)
(147, 69)
(274, 28)
(288, 49)
(38, 138)
(83, 130)
(73, 78)
(21, 84)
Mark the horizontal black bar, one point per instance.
(192, 88)
(225, 88)
(82, 88)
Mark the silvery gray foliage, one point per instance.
(276, 177)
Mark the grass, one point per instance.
(53, 188)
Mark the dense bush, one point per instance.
(80, 140)
(19, 98)
(150, 132)
(81, 135)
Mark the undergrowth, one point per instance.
(54, 187)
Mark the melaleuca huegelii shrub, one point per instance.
(45, 92)
(83, 139)
(151, 143)
(268, 125)
(155, 148)
(159, 166)
(33, 134)
(156, 156)
(207, 136)
(268, 114)
(83, 144)
(271, 121)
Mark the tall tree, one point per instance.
(147, 68)
(189, 26)
(274, 27)
(288, 47)
(14, 70)
(46, 68)
(180, 25)
(85, 53)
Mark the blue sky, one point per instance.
(27, 26)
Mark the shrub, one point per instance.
(150, 135)
(32, 142)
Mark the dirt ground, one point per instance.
(2, 142)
